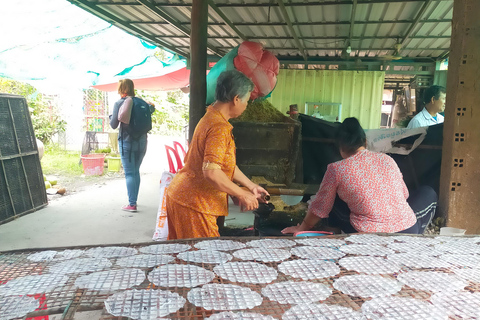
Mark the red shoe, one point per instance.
(129, 208)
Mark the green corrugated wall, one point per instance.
(360, 92)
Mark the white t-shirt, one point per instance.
(424, 119)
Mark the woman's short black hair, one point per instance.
(350, 136)
(433, 92)
(232, 83)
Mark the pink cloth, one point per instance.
(372, 185)
(125, 110)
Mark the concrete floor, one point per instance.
(93, 216)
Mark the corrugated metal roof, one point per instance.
(323, 27)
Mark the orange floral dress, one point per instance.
(193, 204)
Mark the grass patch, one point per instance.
(56, 161)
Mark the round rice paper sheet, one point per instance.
(180, 275)
(319, 242)
(415, 248)
(369, 239)
(458, 239)
(463, 304)
(215, 296)
(111, 280)
(69, 254)
(32, 284)
(325, 253)
(144, 260)
(80, 265)
(367, 286)
(391, 308)
(262, 254)
(369, 265)
(467, 274)
(294, 292)
(110, 252)
(366, 250)
(205, 256)
(229, 315)
(432, 281)
(167, 248)
(320, 311)
(144, 304)
(219, 245)
(14, 307)
(426, 241)
(458, 248)
(417, 260)
(271, 243)
(309, 269)
(462, 260)
(42, 256)
(246, 272)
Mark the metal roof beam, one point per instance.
(284, 12)
(332, 60)
(352, 23)
(99, 12)
(325, 23)
(268, 4)
(311, 37)
(338, 48)
(226, 20)
(416, 21)
(162, 14)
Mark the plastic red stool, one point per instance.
(170, 161)
(178, 145)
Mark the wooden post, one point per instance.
(198, 62)
(460, 177)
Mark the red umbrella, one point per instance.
(170, 81)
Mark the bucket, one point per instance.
(114, 163)
(93, 164)
(448, 231)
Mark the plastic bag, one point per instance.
(382, 140)
(161, 227)
(260, 65)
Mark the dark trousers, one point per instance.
(423, 203)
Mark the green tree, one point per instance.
(46, 121)
(171, 115)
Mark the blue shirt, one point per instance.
(424, 119)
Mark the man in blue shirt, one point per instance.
(434, 99)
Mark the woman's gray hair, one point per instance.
(232, 83)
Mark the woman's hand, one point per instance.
(248, 201)
(259, 193)
(292, 229)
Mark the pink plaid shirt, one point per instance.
(372, 185)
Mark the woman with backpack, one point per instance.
(132, 116)
(198, 194)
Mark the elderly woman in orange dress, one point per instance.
(198, 194)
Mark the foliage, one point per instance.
(261, 110)
(57, 161)
(171, 113)
(45, 120)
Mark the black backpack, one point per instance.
(140, 119)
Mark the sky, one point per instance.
(54, 44)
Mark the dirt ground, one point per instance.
(80, 183)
